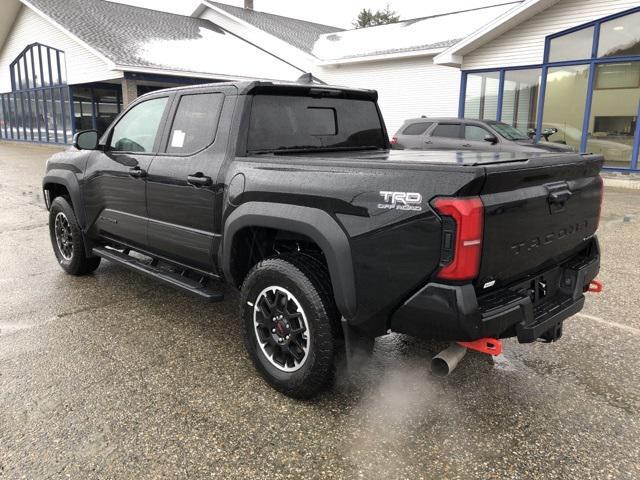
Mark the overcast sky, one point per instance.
(339, 13)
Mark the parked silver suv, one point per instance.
(467, 134)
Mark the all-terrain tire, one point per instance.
(305, 279)
(66, 239)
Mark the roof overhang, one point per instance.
(107, 61)
(381, 57)
(10, 9)
(187, 74)
(261, 39)
(454, 55)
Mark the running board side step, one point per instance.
(188, 285)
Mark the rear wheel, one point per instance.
(66, 239)
(289, 323)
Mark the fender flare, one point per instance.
(68, 180)
(312, 222)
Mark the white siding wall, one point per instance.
(407, 87)
(524, 45)
(82, 65)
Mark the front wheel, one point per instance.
(66, 239)
(288, 319)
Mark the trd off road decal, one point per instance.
(401, 201)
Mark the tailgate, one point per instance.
(537, 214)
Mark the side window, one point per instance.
(137, 130)
(447, 130)
(417, 128)
(475, 133)
(195, 124)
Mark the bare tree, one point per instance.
(368, 18)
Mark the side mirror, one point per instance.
(492, 139)
(86, 140)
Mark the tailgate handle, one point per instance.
(561, 197)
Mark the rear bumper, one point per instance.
(528, 309)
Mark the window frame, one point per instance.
(429, 123)
(482, 127)
(171, 115)
(596, 83)
(555, 36)
(460, 126)
(105, 141)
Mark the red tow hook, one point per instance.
(596, 286)
(490, 346)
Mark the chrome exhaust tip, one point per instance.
(447, 360)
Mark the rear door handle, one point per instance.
(428, 142)
(198, 179)
(137, 172)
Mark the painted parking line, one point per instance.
(635, 331)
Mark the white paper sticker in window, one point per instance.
(177, 140)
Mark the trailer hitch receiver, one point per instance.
(490, 346)
(596, 286)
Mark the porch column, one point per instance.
(129, 91)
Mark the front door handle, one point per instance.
(198, 179)
(137, 172)
(466, 145)
(428, 142)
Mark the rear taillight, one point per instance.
(463, 221)
(394, 140)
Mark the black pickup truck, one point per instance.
(291, 194)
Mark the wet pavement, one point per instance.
(114, 376)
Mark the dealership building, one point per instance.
(563, 70)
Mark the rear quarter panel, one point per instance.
(394, 251)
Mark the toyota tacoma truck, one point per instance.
(289, 192)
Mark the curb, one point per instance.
(615, 181)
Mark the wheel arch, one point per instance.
(313, 223)
(58, 182)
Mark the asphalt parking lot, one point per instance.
(114, 376)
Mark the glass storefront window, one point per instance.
(26, 101)
(63, 68)
(107, 107)
(618, 75)
(42, 56)
(3, 122)
(42, 116)
(67, 114)
(50, 116)
(46, 61)
(564, 103)
(13, 130)
(614, 112)
(59, 114)
(82, 109)
(520, 98)
(481, 99)
(572, 46)
(19, 116)
(22, 74)
(33, 114)
(55, 79)
(27, 59)
(620, 36)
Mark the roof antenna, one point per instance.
(309, 78)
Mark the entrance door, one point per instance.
(115, 178)
(182, 186)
